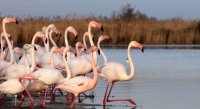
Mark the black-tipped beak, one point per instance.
(99, 52)
(35, 48)
(142, 49)
(75, 54)
(4, 48)
(16, 22)
(101, 29)
(46, 41)
(20, 57)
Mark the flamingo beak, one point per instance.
(142, 49)
(35, 48)
(99, 52)
(4, 48)
(20, 57)
(16, 22)
(101, 28)
(46, 41)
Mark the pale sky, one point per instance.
(187, 9)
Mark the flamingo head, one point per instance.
(18, 51)
(103, 37)
(137, 45)
(41, 35)
(69, 49)
(73, 31)
(26, 47)
(94, 48)
(58, 50)
(96, 25)
(9, 20)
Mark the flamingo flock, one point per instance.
(62, 69)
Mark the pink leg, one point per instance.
(104, 99)
(44, 100)
(67, 98)
(129, 100)
(73, 101)
(40, 98)
(21, 100)
(32, 101)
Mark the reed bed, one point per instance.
(146, 31)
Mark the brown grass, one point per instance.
(146, 31)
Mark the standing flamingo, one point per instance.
(113, 72)
(4, 22)
(19, 70)
(13, 86)
(85, 65)
(80, 84)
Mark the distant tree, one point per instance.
(128, 13)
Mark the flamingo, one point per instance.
(83, 60)
(4, 50)
(100, 39)
(13, 86)
(84, 39)
(45, 76)
(113, 72)
(19, 70)
(80, 84)
(4, 22)
(79, 45)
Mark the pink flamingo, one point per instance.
(45, 76)
(80, 84)
(13, 86)
(113, 72)
(83, 61)
(4, 22)
(19, 70)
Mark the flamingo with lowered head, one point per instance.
(80, 84)
(113, 72)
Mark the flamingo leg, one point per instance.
(73, 101)
(67, 98)
(21, 100)
(40, 98)
(108, 100)
(28, 78)
(44, 100)
(104, 99)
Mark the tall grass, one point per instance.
(146, 31)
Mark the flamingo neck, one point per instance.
(66, 38)
(2, 44)
(101, 51)
(33, 59)
(95, 75)
(92, 44)
(26, 63)
(47, 36)
(9, 44)
(51, 39)
(66, 66)
(51, 58)
(84, 41)
(132, 69)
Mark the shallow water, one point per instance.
(164, 79)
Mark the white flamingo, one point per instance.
(84, 60)
(4, 22)
(81, 84)
(19, 70)
(113, 72)
(13, 86)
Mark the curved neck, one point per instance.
(9, 45)
(51, 58)
(47, 36)
(95, 75)
(92, 44)
(33, 59)
(51, 39)
(102, 53)
(66, 38)
(66, 66)
(84, 41)
(132, 69)
(26, 63)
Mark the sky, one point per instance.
(161, 9)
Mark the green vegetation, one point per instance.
(128, 24)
